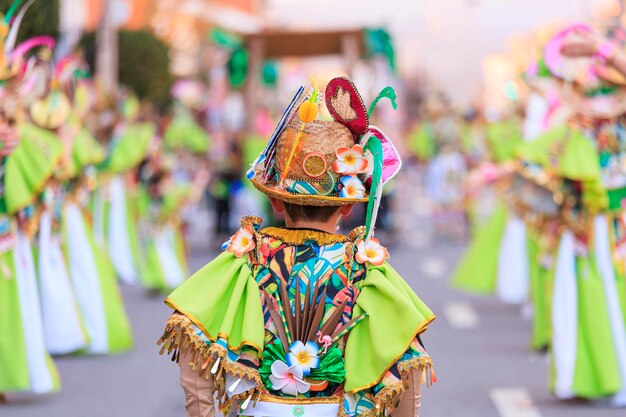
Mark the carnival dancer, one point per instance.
(580, 164)
(482, 269)
(161, 199)
(299, 319)
(63, 324)
(25, 363)
(93, 277)
(115, 206)
(184, 132)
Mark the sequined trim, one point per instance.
(299, 236)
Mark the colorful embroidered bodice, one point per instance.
(308, 284)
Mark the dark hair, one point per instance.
(313, 213)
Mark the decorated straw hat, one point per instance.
(14, 83)
(327, 163)
(588, 87)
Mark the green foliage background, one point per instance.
(143, 66)
(41, 19)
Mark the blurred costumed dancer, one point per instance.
(497, 241)
(24, 360)
(573, 178)
(92, 273)
(63, 324)
(590, 358)
(161, 200)
(115, 208)
(445, 172)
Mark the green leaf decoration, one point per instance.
(387, 92)
(376, 148)
(331, 367)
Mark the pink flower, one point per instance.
(372, 252)
(352, 187)
(288, 379)
(242, 241)
(350, 161)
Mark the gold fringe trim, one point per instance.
(179, 338)
(423, 361)
(385, 402)
(389, 397)
(299, 236)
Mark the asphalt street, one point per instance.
(479, 347)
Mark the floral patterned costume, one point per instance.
(356, 355)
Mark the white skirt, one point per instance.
(61, 317)
(173, 271)
(117, 234)
(618, 327)
(39, 373)
(513, 276)
(564, 318)
(86, 281)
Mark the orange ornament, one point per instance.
(308, 111)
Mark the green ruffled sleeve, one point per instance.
(395, 315)
(30, 166)
(130, 148)
(568, 153)
(503, 138)
(175, 198)
(564, 151)
(87, 150)
(223, 300)
(184, 133)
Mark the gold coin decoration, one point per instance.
(314, 165)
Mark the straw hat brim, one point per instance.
(305, 200)
(597, 107)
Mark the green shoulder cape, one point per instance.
(568, 153)
(130, 148)
(223, 300)
(503, 138)
(184, 133)
(86, 150)
(30, 166)
(396, 316)
(175, 198)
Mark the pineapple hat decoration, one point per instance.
(307, 113)
(328, 163)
